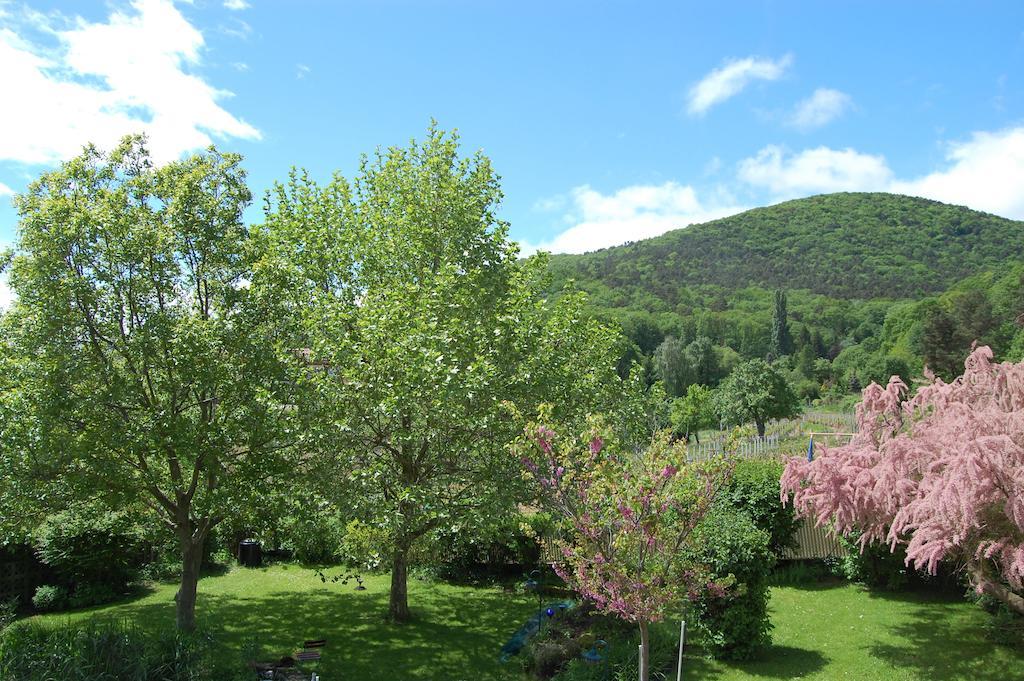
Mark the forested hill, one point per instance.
(846, 245)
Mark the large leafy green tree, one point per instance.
(756, 392)
(144, 363)
(693, 412)
(424, 332)
(673, 366)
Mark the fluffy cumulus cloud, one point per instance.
(731, 78)
(822, 107)
(986, 172)
(814, 171)
(94, 82)
(598, 220)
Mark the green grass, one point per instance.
(457, 631)
(833, 631)
(844, 631)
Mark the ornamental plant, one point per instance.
(941, 473)
(629, 521)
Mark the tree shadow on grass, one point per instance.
(455, 634)
(777, 662)
(938, 642)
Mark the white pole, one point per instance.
(682, 640)
(640, 662)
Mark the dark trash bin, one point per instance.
(250, 554)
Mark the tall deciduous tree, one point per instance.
(693, 412)
(939, 472)
(422, 324)
(756, 392)
(630, 520)
(673, 366)
(144, 361)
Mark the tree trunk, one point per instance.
(645, 652)
(760, 427)
(995, 589)
(398, 608)
(185, 599)
(696, 434)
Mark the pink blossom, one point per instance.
(938, 472)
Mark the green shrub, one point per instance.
(800, 572)
(365, 546)
(49, 597)
(163, 565)
(514, 544)
(1004, 626)
(735, 626)
(754, 489)
(87, 544)
(876, 566)
(313, 532)
(86, 595)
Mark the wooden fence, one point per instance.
(751, 448)
(813, 543)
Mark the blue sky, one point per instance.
(608, 122)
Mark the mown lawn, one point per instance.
(844, 631)
(457, 633)
(832, 631)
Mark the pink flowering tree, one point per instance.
(628, 518)
(941, 472)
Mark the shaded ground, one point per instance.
(457, 633)
(831, 631)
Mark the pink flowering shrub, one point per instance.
(629, 518)
(941, 472)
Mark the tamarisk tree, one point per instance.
(144, 365)
(941, 472)
(629, 520)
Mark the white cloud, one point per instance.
(814, 171)
(236, 5)
(301, 71)
(730, 79)
(985, 173)
(5, 190)
(103, 80)
(822, 107)
(638, 212)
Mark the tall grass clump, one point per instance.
(108, 652)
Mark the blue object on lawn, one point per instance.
(531, 627)
(593, 654)
(810, 449)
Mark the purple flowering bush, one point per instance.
(629, 521)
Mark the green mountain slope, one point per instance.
(847, 246)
